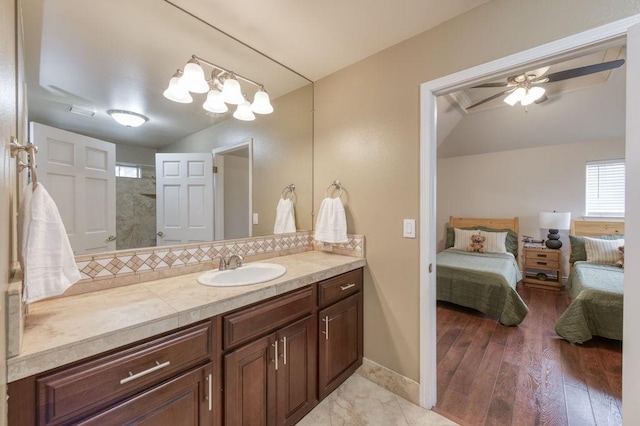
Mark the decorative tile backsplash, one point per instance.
(132, 266)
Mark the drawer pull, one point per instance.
(276, 357)
(347, 287)
(209, 393)
(541, 263)
(284, 350)
(326, 327)
(541, 255)
(156, 367)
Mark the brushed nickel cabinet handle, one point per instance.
(284, 350)
(326, 328)
(156, 367)
(209, 393)
(347, 287)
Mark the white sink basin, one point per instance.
(251, 273)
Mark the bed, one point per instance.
(595, 290)
(482, 281)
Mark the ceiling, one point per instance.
(586, 108)
(103, 56)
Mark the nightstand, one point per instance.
(543, 268)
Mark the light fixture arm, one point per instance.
(226, 71)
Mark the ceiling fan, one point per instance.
(525, 88)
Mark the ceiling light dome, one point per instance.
(193, 77)
(261, 103)
(127, 118)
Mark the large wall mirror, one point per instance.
(84, 58)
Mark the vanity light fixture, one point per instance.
(127, 118)
(223, 88)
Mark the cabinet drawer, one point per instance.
(84, 389)
(337, 288)
(250, 323)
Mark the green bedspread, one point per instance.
(482, 281)
(596, 303)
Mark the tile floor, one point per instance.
(360, 402)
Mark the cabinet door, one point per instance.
(340, 348)
(183, 401)
(250, 397)
(296, 374)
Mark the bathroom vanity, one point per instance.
(260, 354)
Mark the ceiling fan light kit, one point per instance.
(526, 89)
(223, 88)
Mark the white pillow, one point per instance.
(463, 238)
(495, 242)
(602, 251)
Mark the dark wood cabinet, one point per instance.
(340, 347)
(183, 401)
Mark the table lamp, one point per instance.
(554, 221)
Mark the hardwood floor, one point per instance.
(525, 375)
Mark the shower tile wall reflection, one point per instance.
(136, 211)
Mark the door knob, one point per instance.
(160, 234)
(110, 238)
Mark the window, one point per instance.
(128, 171)
(605, 188)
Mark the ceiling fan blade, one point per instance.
(503, 84)
(490, 98)
(579, 72)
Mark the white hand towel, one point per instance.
(285, 217)
(331, 225)
(46, 256)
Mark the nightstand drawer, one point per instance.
(532, 256)
(542, 263)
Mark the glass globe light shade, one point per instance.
(176, 93)
(231, 92)
(127, 118)
(244, 113)
(214, 102)
(193, 78)
(261, 104)
(515, 96)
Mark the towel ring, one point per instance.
(290, 189)
(335, 185)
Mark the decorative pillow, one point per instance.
(494, 241)
(477, 243)
(511, 242)
(602, 251)
(451, 236)
(620, 261)
(578, 252)
(463, 238)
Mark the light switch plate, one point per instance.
(255, 218)
(409, 228)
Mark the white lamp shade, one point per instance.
(176, 93)
(515, 96)
(261, 103)
(193, 78)
(127, 118)
(555, 220)
(231, 92)
(214, 102)
(244, 113)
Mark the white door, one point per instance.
(79, 174)
(184, 198)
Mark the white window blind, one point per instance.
(605, 188)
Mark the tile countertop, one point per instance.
(67, 329)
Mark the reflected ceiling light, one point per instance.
(127, 118)
(244, 113)
(223, 88)
(176, 92)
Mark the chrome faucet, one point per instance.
(223, 264)
(238, 260)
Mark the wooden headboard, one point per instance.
(596, 227)
(497, 223)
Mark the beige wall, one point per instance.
(8, 128)
(236, 197)
(367, 135)
(282, 154)
(519, 183)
